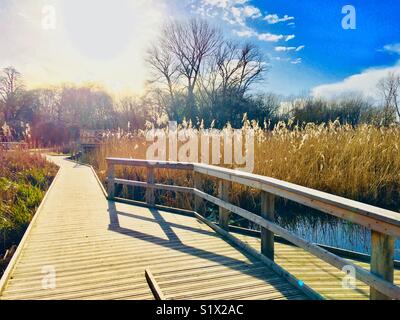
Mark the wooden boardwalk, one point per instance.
(100, 249)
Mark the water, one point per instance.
(339, 234)
(323, 229)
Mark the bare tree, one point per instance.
(240, 67)
(190, 43)
(10, 87)
(49, 99)
(389, 87)
(252, 67)
(232, 71)
(164, 66)
(193, 56)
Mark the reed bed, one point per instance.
(361, 163)
(24, 179)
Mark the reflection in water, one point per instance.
(323, 229)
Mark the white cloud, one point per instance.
(285, 49)
(392, 48)
(290, 37)
(288, 59)
(252, 12)
(245, 33)
(274, 18)
(237, 13)
(269, 37)
(364, 83)
(217, 3)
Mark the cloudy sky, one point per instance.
(53, 41)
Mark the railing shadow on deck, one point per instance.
(174, 242)
(384, 224)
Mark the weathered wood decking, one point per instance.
(100, 249)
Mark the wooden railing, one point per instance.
(384, 224)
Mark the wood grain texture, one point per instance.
(382, 256)
(223, 193)
(267, 212)
(316, 273)
(100, 249)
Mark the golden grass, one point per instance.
(361, 163)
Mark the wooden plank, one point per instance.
(382, 256)
(74, 234)
(276, 268)
(110, 181)
(375, 218)
(362, 274)
(157, 186)
(150, 196)
(198, 201)
(224, 215)
(267, 212)
(151, 163)
(11, 265)
(100, 249)
(158, 294)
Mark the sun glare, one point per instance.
(98, 41)
(101, 30)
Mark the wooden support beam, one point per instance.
(198, 201)
(110, 179)
(150, 197)
(271, 264)
(155, 288)
(267, 212)
(224, 215)
(385, 224)
(363, 275)
(382, 261)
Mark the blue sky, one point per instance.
(105, 40)
(331, 54)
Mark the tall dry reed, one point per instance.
(361, 163)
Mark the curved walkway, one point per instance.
(81, 246)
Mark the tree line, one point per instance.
(197, 74)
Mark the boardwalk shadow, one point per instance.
(174, 242)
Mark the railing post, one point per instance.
(267, 212)
(150, 198)
(110, 181)
(382, 265)
(224, 215)
(197, 185)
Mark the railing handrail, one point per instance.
(385, 224)
(275, 186)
